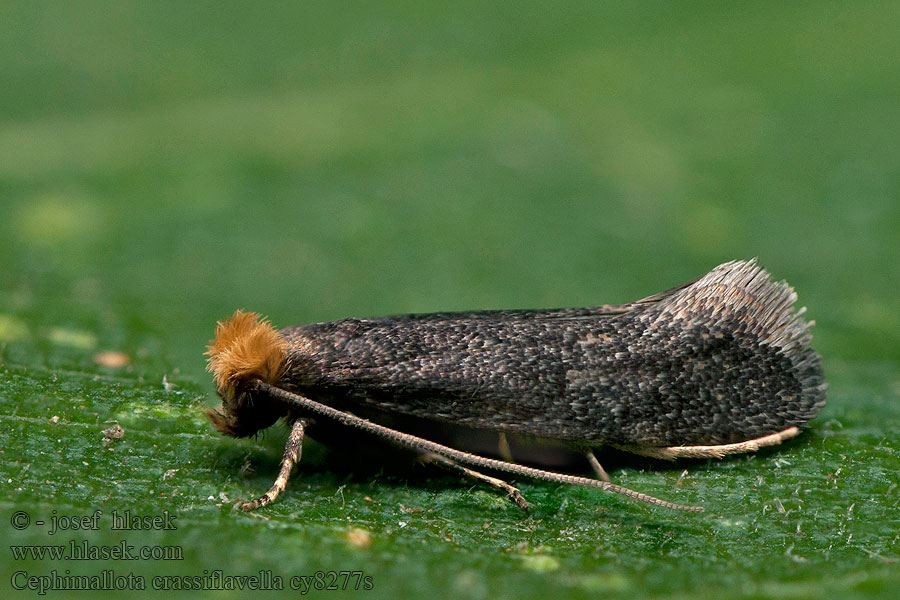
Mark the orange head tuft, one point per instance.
(246, 348)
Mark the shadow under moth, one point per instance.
(717, 366)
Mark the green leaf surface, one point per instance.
(162, 164)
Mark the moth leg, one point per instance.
(719, 451)
(292, 451)
(503, 447)
(595, 464)
(451, 465)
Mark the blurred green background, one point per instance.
(164, 163)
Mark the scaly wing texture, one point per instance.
(721, 360)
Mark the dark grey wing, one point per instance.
(720, 360)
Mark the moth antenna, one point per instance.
(423, 445)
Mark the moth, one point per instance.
(717, 366)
